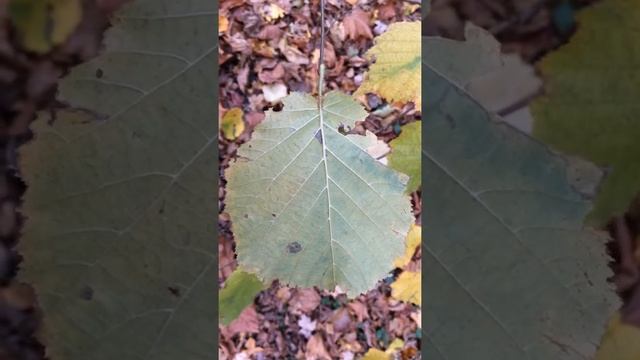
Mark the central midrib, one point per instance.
(326, 182)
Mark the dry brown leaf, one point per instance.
(359, 309)
(247, 322)
(316, 349)
(341, 320)
(304, 301)
(270, 32)
(269, 76)
(293, 54)
(356, 25)
(223, 24)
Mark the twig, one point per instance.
(321, 58)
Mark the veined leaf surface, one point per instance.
(309, 206)
(511, 270)
(121, 200)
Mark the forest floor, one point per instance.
(263, 47)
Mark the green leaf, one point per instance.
(405, 154)
(511, 270)
(239, 291)
(309, 206)
(590, 107)
(119, 240)
(396, 73)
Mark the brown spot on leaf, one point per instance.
(294, 247)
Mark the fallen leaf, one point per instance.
(307, 326)
(223, 24)
(239, 291)
(620, 342)
(316, 349)
(43, 24)
(589, 107)
(408, 287)
(375, 354)
(340, 320)
(273, 12)
(396, 74)
(356, 25)
(414, 239)
(360, 310)
(232, 124)
(247, 322)
(269, 76)
(304, 301)
(405, 154)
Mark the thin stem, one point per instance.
(321, 58)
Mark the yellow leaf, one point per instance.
(395, 345)
(65, 15)
(43, 24)
(375, 354)
(620, 342)
(274, 12)
(408, 288)
(414, 238)
(232, 124)
(396, 73)
(223, 24)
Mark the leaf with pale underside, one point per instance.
(309, 206)
(511, 271)
(395, 75)
(119, 241)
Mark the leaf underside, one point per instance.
(511, 271)
(309, 206)
(119, 239)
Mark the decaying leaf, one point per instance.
(405, 154)
(239, 291)
(505, 232)
(119, 240)
(396, 73)
(591, 111)
(309, 206)
(232, 124)
(414, 239)
(408, 287)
